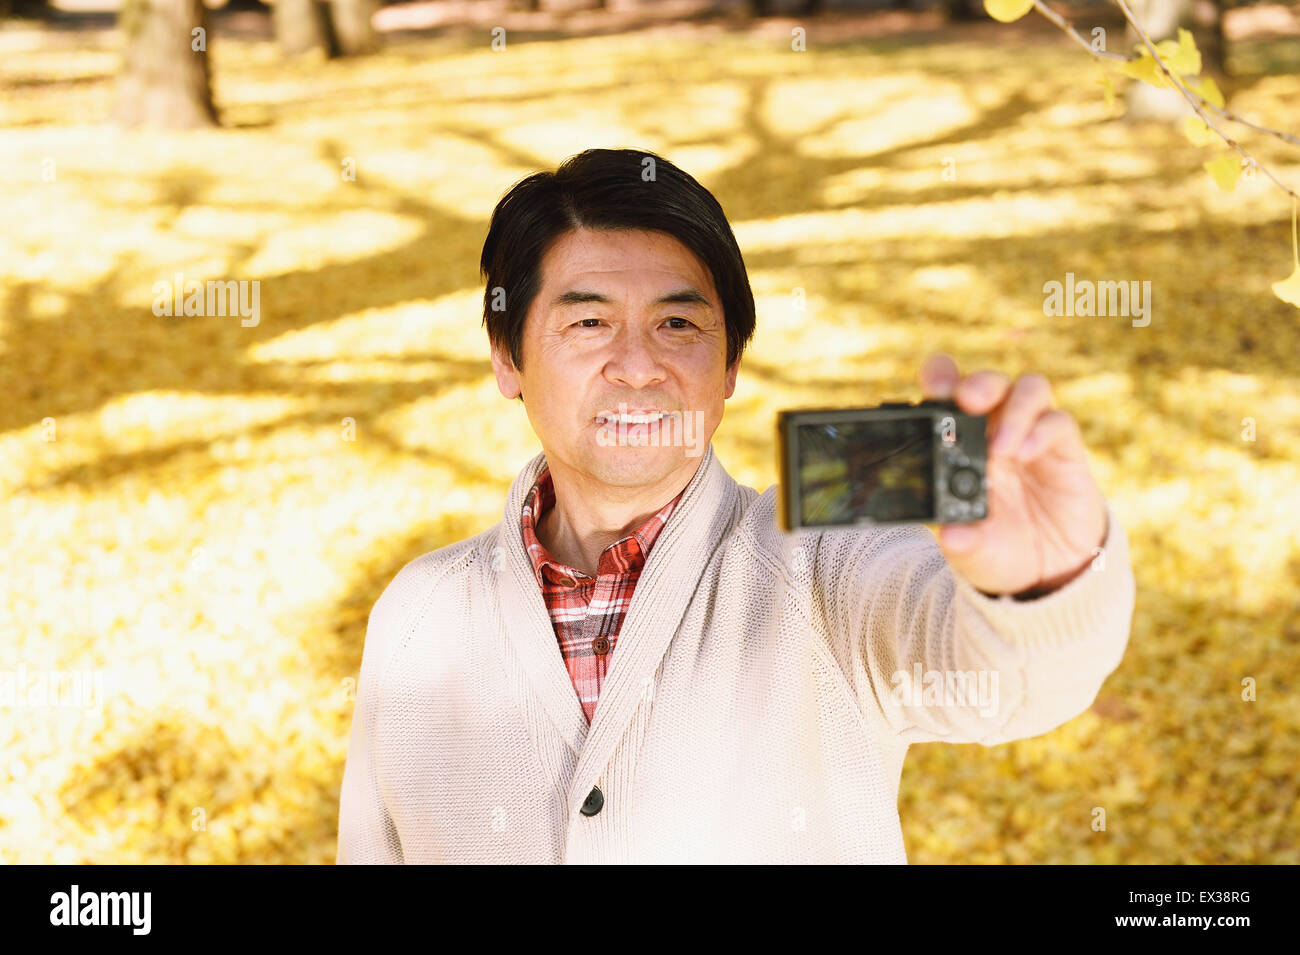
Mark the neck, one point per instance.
(589, 516)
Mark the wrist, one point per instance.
(1049, 586)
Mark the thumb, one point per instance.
(960, 541)
(959, 538)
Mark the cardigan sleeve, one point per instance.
(367, 834)
(939, 660)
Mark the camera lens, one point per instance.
(964, 483)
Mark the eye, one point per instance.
(583, 322)
(677, 319)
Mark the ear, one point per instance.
(731, 378)
(507, 375)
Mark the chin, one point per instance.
(632, 466)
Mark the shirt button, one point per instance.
(600, 646)
(595, 799)
(567, 582)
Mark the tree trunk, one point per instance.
(961, 10)
(353, 30)
(164, 80)
(1160, 19)
(302, 26)
(1208, 17)
(23, 8)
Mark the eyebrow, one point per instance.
(682, 296)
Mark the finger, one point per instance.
(1055, 429)
(939, 375)
(981, 391)
(1029, 400)
(958, 539)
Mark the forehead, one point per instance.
(609, 258)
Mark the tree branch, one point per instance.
(1229, 115)
(1187, 94)
(1071, 32)
(1128, 15)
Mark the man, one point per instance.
(636, 664)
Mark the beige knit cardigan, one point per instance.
(758, 706)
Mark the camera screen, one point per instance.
(861, 471)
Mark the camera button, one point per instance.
(964, 483)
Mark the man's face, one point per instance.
(622, 318)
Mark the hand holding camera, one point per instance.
(1004, 474)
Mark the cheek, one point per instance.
(565, 380)
(711, 371)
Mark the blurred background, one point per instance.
(199, 511)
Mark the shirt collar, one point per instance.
(635, 546)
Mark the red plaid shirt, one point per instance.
(587, 612)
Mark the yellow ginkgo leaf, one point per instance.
(1144, 68)
(1108, 90)
(1185, 59)
(1195, 129)
(1208, 89)
(1288, 290)
(1008, 10)
(1165, 49)
(1225, 170)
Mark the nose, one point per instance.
(636, 361)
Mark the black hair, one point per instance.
(612, 189)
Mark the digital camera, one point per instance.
(896, 463)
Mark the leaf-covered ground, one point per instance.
(186, 512)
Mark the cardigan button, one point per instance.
(595, 799)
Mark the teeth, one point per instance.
(632, 418)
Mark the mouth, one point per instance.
(632, 418)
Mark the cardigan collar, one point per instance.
(630, 551)
(708, 507)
